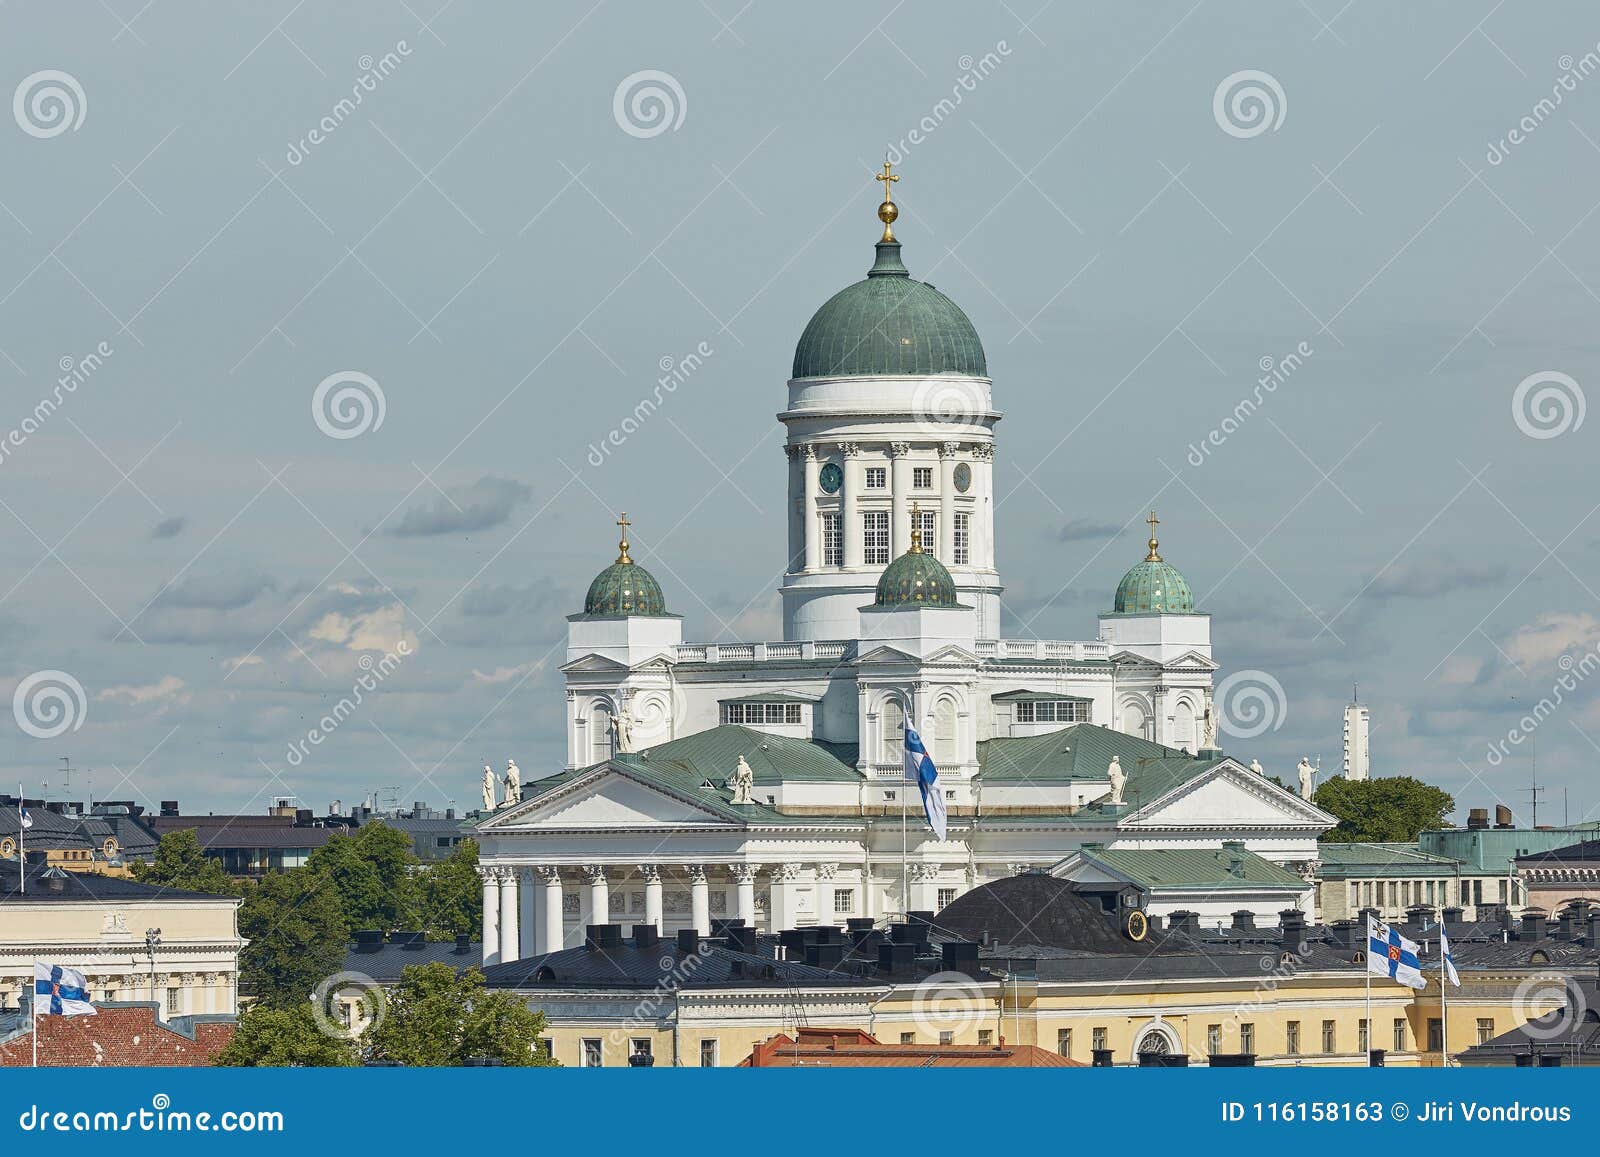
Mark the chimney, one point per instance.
(646, 936)
(1451, 915)
(1533, 923)
(1502, 816)
(1478, 819)
(1244, 920)
(1417, 917)
(1593, 940)
(961, 956)
(169, 807)
(896, 959)
(1182, 921)
(911, 932)
(793, 943)
(824, 955)
(1292, 922)
(743, 939)
(1565, 923)
(600, 937)
(463, 943)
(369, 940)
(1348, 935)
(688, 941)
(1233, 1060)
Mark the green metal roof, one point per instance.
(1361, 861)
(889, 324)
(1084, 751)
(625, 588)
(916, 578)
(1215, 868)
(1153, 586)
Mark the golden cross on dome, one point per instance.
(916, 522)
(888, 211)
(1154, 522)
(622, 547)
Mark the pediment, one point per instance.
(586, 664)
(887, 654)
(1194, 659)
(606, 798)
(1229, 796)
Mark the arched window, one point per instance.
(601, 742)
(944, 731)
(892, 730)
(1134, 719)
(1183, 726)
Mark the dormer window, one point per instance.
(745, 714)
(1053, 711)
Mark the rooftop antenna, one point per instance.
(1534, 790)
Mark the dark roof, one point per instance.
(1588, 850)
(55, 886)
(50, 830)
(386, 963)
(246, 831)
(1038, 910)
(1571, 1032)
(662, 966)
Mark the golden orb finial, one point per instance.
(888, 212)
(1153, 556)
(916, 528)
(622, 546)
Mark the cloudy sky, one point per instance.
(294, 381)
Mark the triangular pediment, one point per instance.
(607, 798)
(597, 664)
(887, 654)
(1229, 796)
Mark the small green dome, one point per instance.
(889, 324)
(1154, 587)
(625, 588)
(916, 577)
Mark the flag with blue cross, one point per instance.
(1391, 954)
(60, 991)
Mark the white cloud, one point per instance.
(1551, 635)
(168, 690)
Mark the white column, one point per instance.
(808, 507)
(652, 894)
(510, 941)
(599, 894)
(796, 511)
(699, 899)
(983, 510)
(900, 496)
(948, 452)
(785, 907)
(528, 894)
(850, 515)
(555, 926)
(744, 875)
(491, 914)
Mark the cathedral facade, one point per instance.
(765, 781)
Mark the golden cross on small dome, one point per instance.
(916, 522)
(888, 211)
(1154, 522)
(622, 546)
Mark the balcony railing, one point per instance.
(1043, 650)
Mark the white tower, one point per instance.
(1357, 722)
(889, 409)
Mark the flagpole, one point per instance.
(905, 861)
(1444, 1002)
(33, 1011)
(1369, 992)
(22, 851)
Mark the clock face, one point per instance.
(832, 477)
(963, 476)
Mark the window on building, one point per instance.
(1213, 1039)
(1435, 1034)
(1405, 893)
(1330, 1039)
(947, 896)
(1291, 1038)
(922, 477)
(174, 996)
(947, 1037)
(908, 1038)
(708, 1053)
(985, 1037)
(961, 554)
(761, 713)
(1485, 1029)
(894, 726)
(1247, 1038)
(875, 538)
(639, 1046)
(877, 477)
(1364, 1035)
(928, 522)
(600, 733)
(1502, 891)
(844, 901)
(832, 541)
(593, 1055)
(548, 1046)
(1097, 1038)
(1064, 1041)
(1399, 1042)
(1053, 711)
(1430, 891)
(1394, 894)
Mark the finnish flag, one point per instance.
(27, 820)
(1391, 954)
(60, 991)
(1449, 961)
(919, 767)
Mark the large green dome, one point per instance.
(916, 578)
(1154, 587)
(625, 588)
(889, 324)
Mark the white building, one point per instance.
(1357, 723)
(891, 605)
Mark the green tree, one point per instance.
(281, 1037)
(372, 871)
(452, 895)
(1394, 809)
(179, 863)
(435, 1017)
(297, 937)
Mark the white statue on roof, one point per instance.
(1308, 778)
(743, 783)
(513, 782)
(1255, 766)
(488, 788)
(1119, 780)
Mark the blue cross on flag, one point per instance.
(1391, 954)
(919, 767)
(60, 991)
(27, 820)
(1446, 959)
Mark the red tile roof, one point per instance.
(849, 1047)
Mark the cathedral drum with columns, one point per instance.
(763, 781)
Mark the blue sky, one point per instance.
(485, 241)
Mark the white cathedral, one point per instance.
(764, 781)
